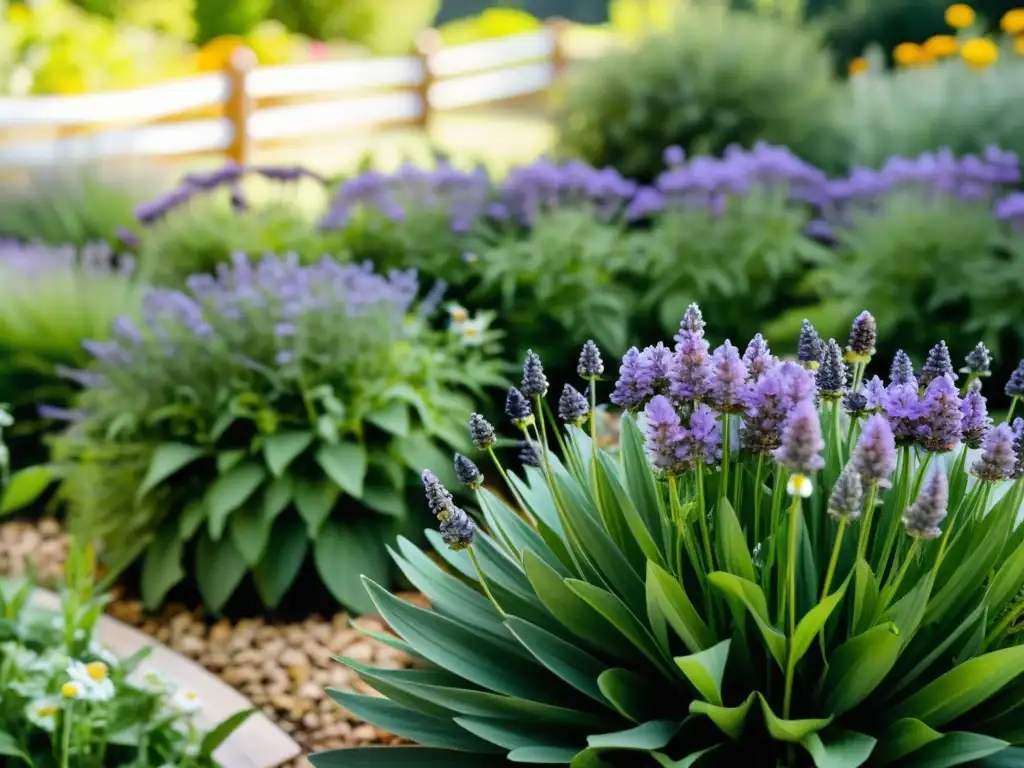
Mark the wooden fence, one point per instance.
(245, 106)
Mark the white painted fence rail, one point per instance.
(228, 112)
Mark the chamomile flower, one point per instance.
(471, 332)
(187, 702)
(458, 314)
(799, 485)
(71, 690)
(42, 713)
(150, 681)
(94, 678)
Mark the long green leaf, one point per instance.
(629, 694)
(394, 757)
(639, 478)
(813, 622)
(678, 610)
(621, 503)
(573, 665)
(791, 731)
(9, 747)
(836, 748)
(213, 739)
(654, 734)
(24, 487)
(901, 738)
(542, 755)
(858, 666)
(954, 749)
(749, 595)
(729, 720)
(732, 544)
(510, 734)
(705, 670)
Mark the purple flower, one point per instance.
(941, 421)
(729, 376)
(690, 374)
(978, 361)
(802, 444)
(855, 403)
(938, 364)
(902, 371)
(590, 365)
(847, 494)
(831, 376)
(874, 392)
(674, 155)
(975, 422)
(127, 238)
(863, 335)
(923, 517)
(635, 383)
(517, 408)
(798, 384)
(692, 322)
(535, 383)
(758, 358)
(1018, 448)
(810, 348)
(703, 439)
(438, 498)
(467, 472)
(573, 407)
(481, 432)
(658, 360)
(457, 530)
(1015, 386)
(874, 458)
(997, 460)
(766, 408)
(903, 409)
(664, 433)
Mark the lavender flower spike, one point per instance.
(457, 530)
(729, 376)
(481, 432)
(590, 365)
(703, 440)
(922, 518)
(573, 407)
(635, 383)
(978, 361)
(902, 371)
(938, 363)
(940, 416)
(863, 335)
(517, 408)
(664, 433)
(855, 403)
(438, 498)
(690, 374)
(1015, 386)
(1018, 448)
(847, 495)
(975, 421)
(758, 358)
(998, 459)
(831, 378)
(467, 472)
(810, 348)
(658, 361)
(874, 458)
(693, 320)
(801, 447)
(535, 383)
(874, 392)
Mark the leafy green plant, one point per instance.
(754, 577)
(719, 78)
(264, 415)
(214, 19)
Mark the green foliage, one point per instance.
(915, 110)
(719, 78)
(263, 419)
(625, 616)
(68, 701)
(386, 27)
(214, 18)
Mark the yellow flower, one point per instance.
(941, 45)
(906, 54)
(979, 52)
(71, 690)
(214, 56)
(1018, 45)
(959, 16)
(97, 671)
(857, 65)
(1013, 21)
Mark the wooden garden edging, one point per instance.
(258, 743)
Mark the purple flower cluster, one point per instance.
(40, 261)
(675, 447)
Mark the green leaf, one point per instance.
(750, 596)
(791, 731)
(865, 597)
(418, 452)
(346, 551)
(409, 724)
(228, 492)
(219, 571)
(901, 738)
(954, 749)
(687, 762)
(836, 748)
(282, 449)
(1008, 581)
(626, 507)
(228, 460)
(394, 757)
(250, 532)
(24, 487)
(392, 417)
(167, 459)
(510, 734)
(730, 720)
(858, 666)
(282, 561)
(222, 732)
(314, 501)
(542, 755)
(161, 566)
(678, 610)
(639, 479)
(813, 622)
(385, 500)
(573, 665)
(345, 464)
(654, 734)
(962, 688)
(628, 693)
(277, 496)
(732, 544)
(705, 670)
(192, 518)
(9, 746)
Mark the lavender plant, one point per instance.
(262, 415)
(755, 576)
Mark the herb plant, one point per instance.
(263, 415)
(787, 563)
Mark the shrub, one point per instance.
(373, 24)
(694, 600)
(263, 414)
(923, 109)
(720, 78)
(51, 300)
(214, 19)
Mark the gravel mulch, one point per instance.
(283, 668)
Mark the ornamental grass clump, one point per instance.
(267, 413)
(757, 576)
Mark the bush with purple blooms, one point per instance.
(262, 416)
(785, 563)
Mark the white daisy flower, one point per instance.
(94, 679)
(799, 485)
(42, 713)
(151, 681)
(187, 702)
(471, 332)
(71, 690)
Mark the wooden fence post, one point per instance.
(559, 56)
(428, 43)
(238, 109)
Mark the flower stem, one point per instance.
(865, 529)
(508, 483)
(997, 631)
(723, 486)
(483, 583)
(794, 509)
(889, 592)
(1013, 405)
(836, 442)
(65, 741)
(549, 415)
(834, 560)
(757, 499)
(702, 519)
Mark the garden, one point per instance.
(698, 441)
